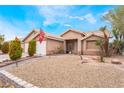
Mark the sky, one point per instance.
(21, 20)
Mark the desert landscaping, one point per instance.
(67, 71)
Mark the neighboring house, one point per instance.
(71, 41)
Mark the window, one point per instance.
(91, 44)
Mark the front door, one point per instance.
(70, 47)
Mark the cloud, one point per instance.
(90, 18)
(59, 14)
(53, 14)
(76, 17)
(67, 25)
(104, 13)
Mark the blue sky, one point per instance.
(20, 20)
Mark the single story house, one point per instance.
(71, 41)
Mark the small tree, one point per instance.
(105, 41)
(15, 51)
(32, 48)
(5, 47)
(100, 44)
(103, 44)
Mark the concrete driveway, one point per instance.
(6, 56)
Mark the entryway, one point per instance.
(71, 46)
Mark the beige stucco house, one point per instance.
(71, 41)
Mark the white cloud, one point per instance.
(104, 13)
(89, 17)
(67, 25)
(59, 14)
(76, 17)
(53, 14)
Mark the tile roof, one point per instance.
(74, 30)
(87, 34)
(49, 35)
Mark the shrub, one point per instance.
(5, 47)
(60, 50)
(32, 48)
(15, 51)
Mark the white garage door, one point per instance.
(26, 47)
(41, 48)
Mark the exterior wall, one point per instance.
(79, 46)
(34, 34)
(89, 47)
(54, 46)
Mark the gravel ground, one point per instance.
(1, 83)
(4, 84)
(66, 71)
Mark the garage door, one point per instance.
(26, 47)
(41, 48)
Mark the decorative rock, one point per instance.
(3, 71)
(23, 83)
(1, 61)
(85, 60)
(116, 61)
(95, 58)
(123, 53)
(19, 82)
(35, 87)
(14, 78)
(28, 86)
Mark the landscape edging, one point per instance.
(19, 83)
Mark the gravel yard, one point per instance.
(1, 83)
(5, 84)
(67, 71)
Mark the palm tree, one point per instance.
(118, 42)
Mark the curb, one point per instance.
(15, 80)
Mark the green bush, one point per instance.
(32, 48)
(5, 47)
(15, 51)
